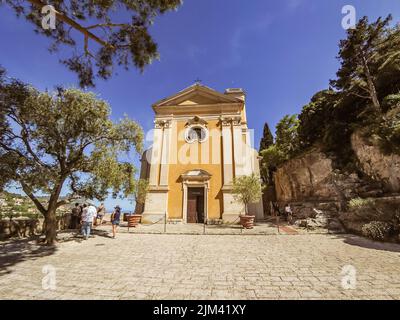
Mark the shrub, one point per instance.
(377, 230)
(247, 189)
(273, 157)
(360, 203)
(391, 101)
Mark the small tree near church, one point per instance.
(140, 192)
(247, 190)
(63, 142)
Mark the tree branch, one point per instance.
(23, 138)
(61, 16)
(107, 25)
(67, 201)
(29, 193)
(360, 96)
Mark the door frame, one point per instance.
(195, 179)
(203, 189)
(194, 184)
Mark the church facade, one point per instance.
(201, 142)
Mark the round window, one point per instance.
(196, 133)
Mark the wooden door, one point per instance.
(192, 211)
(200, 209)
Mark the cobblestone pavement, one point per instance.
(157, 266)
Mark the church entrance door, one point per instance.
(195, 205)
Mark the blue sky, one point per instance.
(280, 52)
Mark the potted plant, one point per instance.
(247, 189)
(140, 191)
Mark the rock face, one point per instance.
(319, 193)
(311, 177)
(305, 177)
(375, 164)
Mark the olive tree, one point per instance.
(247, 190)
(63, 143)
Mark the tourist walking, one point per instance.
(115, 217)
(88, 215)
(101, 211)
(75, 216)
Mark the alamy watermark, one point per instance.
(350, 19)
(49, 281)
(49, 18)
(349, 277)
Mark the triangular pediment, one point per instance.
(197, 95)
(197, 98)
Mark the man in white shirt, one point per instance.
(88, 215)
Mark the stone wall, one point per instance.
(24, 227)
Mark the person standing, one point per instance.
(101, 211)
(115, 217)
(75, 216)
(88, 215)
(277, 213)
(288, 213)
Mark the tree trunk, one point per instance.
(50, 219)
(371, 86)
(50, 230)
(50, 216)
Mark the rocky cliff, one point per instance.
(316, 189)
(375, 164)
(312, 177)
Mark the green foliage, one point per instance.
(267, 139)
(273, 156)
(360, 203)
(313, 123)
(377, 230)
(50, 140)
(116, 43)
(366, 97)
(141, 190)
(387, 131)
(369, 51)
(247, 189)
(286, 145)
(287, 136)
(391, 101)
(266, 169)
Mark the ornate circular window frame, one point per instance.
(194, 126)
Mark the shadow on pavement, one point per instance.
(359, 241)
(15, 251)
(74, 235)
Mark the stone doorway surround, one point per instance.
(195, 179)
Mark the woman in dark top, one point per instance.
(115, 216)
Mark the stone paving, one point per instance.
(181, 266)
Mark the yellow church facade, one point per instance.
(201, 142)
